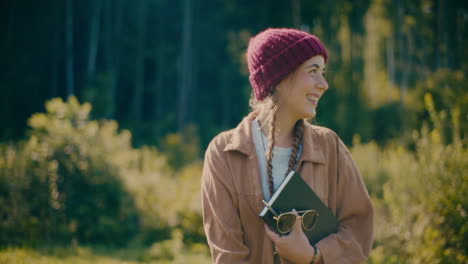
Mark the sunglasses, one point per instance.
(285, 221)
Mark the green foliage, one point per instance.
(105, 255)
(80, 180)
(63, 182)
(181, 148)
(444, 90)
(166, 199)
(98, 93)
(419, 197)
(387, 122)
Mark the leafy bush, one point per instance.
(166, 199)
(447, 92)
(63, 182)
(76, 179)
(419, 196)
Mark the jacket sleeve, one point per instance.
(220, 209)
(353, 241)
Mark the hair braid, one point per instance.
(271, 140)
(298, 130)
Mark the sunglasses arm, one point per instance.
(271, 209)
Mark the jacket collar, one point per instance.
(242, 141)
(242, 138)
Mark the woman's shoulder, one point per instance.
(237, 138)
(321, 132)
(327, 137)
(219, 142)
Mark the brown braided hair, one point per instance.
(298, 130)
(269, 154)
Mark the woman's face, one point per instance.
(300, 92)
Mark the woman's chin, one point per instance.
(310, 114)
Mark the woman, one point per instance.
(243, 166)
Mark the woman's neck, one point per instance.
(284, 128)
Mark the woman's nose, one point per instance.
(323, 85)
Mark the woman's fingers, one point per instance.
(272, 235)
(297, 224)
(295, 246)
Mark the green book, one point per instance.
(294, 193)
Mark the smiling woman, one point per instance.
(243, 166)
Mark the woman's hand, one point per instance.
(295, 246)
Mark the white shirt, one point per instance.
(280, 159)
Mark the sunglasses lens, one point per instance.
(309, 219)
(286, 222)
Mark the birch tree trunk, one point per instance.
(54, 66)
(440, 33)
(158, 69)
(137, 103)
(94, 29)
(70, 79)
(112, 34)
(112, 29)
(186, 73)
(296, 13)
(400, 37)
(9, 34)
(390, 54)
(407, 66)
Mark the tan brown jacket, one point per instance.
(232, 195)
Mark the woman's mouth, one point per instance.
(312, 98)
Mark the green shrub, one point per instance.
(167, 199)
(76, 179)
(419, 196)
(63, 183)
(447, 92)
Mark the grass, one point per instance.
(157, 253)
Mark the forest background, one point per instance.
(107, 106)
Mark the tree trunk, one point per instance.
(186, 72)
(54, 77)
(448, 31)
(194, 70)
(390, 52)
(69, 48)
(440, 33)
(400, 37)
(407, 66)
(119, 8)
(458, 38)
(111, 51)
(94, 29)
(158, 89)
(296, 13)
(55, 44)
(137, 104)
(9, 33)
(265, 12)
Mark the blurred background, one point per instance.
(107, 106)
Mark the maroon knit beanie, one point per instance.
(275, 53)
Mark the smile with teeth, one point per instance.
(313, 99)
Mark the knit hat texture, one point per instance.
(276, 52)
